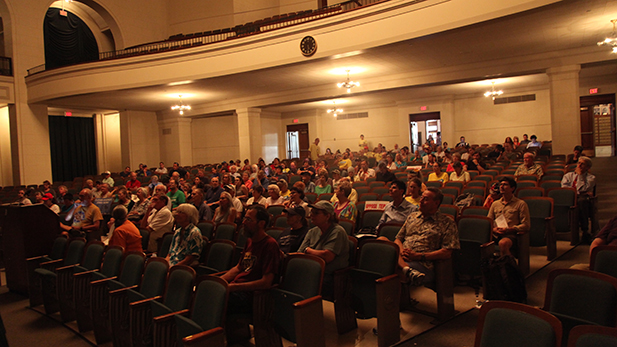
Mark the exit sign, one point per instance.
(296, 120)
(423, 108)
(593, 91)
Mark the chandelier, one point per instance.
(611, 40)
(348, 84)
(182, 107)
(335, 111)
(493, 92)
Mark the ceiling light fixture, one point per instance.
(182, 107)
(334, 110)
(611, 40)
(348, 84)
(493, 92)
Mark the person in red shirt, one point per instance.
(133, 183)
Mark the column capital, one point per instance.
(563, 70)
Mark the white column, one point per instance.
(565, 108)
(249, 133)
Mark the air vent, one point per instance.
(511, 99)
(167, 131)
(352, 115)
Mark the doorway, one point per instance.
(297, 141)
(422, 126)
(597, 114)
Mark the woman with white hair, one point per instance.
(187, 243)
(225, 212)
(275, 197)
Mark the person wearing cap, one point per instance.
(107, 179)
(534, 142)
(274, 197)
(48, 200)
(187, 243)
(291, 238)
(397, 210)
(47, 189)
(327, 240)
(427, 235)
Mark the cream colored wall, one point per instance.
(273, 141)
(482, 122)
(6, 167)
(139, 136)
(208, 15)
(215, 139)
(212, 14)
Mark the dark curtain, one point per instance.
(68, 40)
(73, 148)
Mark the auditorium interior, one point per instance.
(262, 78)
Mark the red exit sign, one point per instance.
(593, 90)
(296, 120)
(423, 108)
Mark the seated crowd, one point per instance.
(314, 195)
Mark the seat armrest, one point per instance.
(39, 258)
(145, 301)
(169, 316)
(65, 268)
(52, 264)
(103, 280)
(85, 273)
(121, 290)
(213, 338)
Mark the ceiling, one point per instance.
(397, 72)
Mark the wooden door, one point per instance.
(303, 138)
(587, 128)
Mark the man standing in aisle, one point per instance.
(315, 150)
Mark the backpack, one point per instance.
(504, 280)
(464, 200)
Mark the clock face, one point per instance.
(308, 46)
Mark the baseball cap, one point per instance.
(47, 196)
(106, 173)
(323, 205)
(297, 210)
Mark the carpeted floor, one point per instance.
(26, 327)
